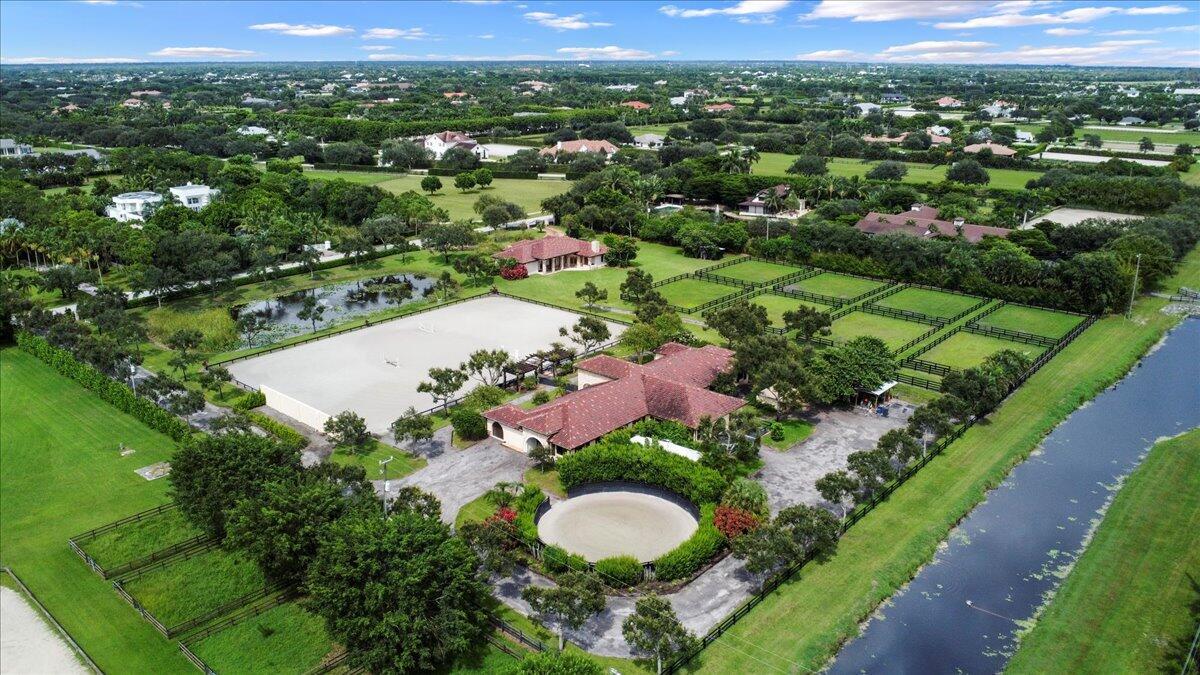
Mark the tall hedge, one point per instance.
(687, 558)
(628, 462)
(114, 393)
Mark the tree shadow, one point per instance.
(1177, 650)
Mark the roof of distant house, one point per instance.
(719, 107)
(636, 105)
(947, 100)
(581, 145)
(996, 148)
(552, 246)
(922, 221)
(648, 138)
(672, 387)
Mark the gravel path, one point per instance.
(27, 643)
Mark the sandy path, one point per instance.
(27, 643)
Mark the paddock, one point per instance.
(1068, 216)
(375, 371)
(619, 521)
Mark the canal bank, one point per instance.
(963, 612)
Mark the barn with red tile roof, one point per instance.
(555, 253)
(923, 221)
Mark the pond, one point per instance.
(962, 613)
(342, 302)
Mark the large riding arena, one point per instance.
(375, 371)
(618, 520)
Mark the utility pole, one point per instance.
(1133, 291)
(383, 466)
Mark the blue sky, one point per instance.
(1141, 32)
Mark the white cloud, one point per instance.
(1158, 9)
(393, 57)
(931, 46)
(303, 29)
(1108, 52)
(1154, 31)
(572, 22)
(1126, 43)
(202, 52)
(1013, 19)
(745, 8)
(670, 52)
(610, 52)
(890, 10)
(832, 55)
(49, 60)
(486, 36)
(376, 48)
(1067, 32)
(98, 2)
(462, 57)
(393, 33)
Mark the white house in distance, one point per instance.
(11, 148)
(757, 205)
(948, 102)
(195, 197)
(648, 141)
(571, 147)
(555, 253)
(133, 206)
(440, 144)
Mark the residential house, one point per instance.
(535, 85)
(131, 103)
(890, 140)
(133, 206)
(455, 95)
(253, 131)
(758, 205)
(442, 142)
(648, 141)
(622, 87)
(865, 109)
(555, 253)
(10, 148)
(145, 92)
(256, 102)
(996, 148)
(582, 145)
(195, 197)
(68, 108)
(719, 107)
(1131, 122)
(614, 393)
(923, 221)
(937, 130)
(636, 105)
(1024, 136)
(948, 102)
(892, 97)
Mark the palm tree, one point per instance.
(648, 190)
(775, 202)
(750, 155)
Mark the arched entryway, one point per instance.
(532, 444)
(497, 430)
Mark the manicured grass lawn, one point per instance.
(185, 589)
(475, 511)
(1125, 605)
(966, 350)
(756, 271)
(800, 626)
(776, 164)
(838, 285)
(283, 639)
(60, 474)
(1135, 134)
(528, 194)
(688, 293)
(794, 431)
(486, 659)
(894, 332)
(546, 480)
(139, 538)
(931, 302)
(402, 465)
(1045, 322)
(361, 177)
(777, 305)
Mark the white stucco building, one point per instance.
(440, 144)
(133, 206)
(195, 197)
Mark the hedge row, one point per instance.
(606, 462)
(111, 391)
(521, 175)
(526, 506)
(364, 168)
(687, 558)
(621, 571)
(287, 436)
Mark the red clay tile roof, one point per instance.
(606, 366)
(636, 105)
(719, 107)
(924, 223)
(670, 387)
(996, 149)
(551, 246)
(582, 145)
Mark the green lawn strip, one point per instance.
(689, 293)
(139, 538)
(546, 480)
(402, 465)
(1125, 605)
(550, 639)
(837, 285)
(284, 639)
(756, 271)
(487, 658)
(913, 394)
(807, 620)
(360, 177)
(777, 305)
(188, 588)
(475, 511)
(929, 301)
(967, 350)
(894, 332)
(61, 473)
(776, 164)
(1166, 136)
(794, 431)
(1045, 322)
(528, 194)
(945, 329)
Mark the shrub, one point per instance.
(734, 522)
(541, 397)
(251, 400)
(608, 461)
(746, 495)
(505, 513)
(483, 397)
(526, 507)
(112, 392)
(691, 555)
(468, 423)
(287, 436)
(620, 571)
(556, 560)
(217, 328)
(514, 272)
(777, 433)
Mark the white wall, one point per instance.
(297, 410)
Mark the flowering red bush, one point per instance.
(504, 513)
(514, 272)
(734, 522)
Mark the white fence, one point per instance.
(297, 410)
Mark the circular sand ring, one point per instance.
(607, 521)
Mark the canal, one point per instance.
(961, 613)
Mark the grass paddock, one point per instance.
(929, 301)
(756, 271)
(185, 589)
(967, 350)
(689, 293)
(893, 332)
(139, 538)
(283, 639)
(1044, 322)
(837, 285)
(777, 305)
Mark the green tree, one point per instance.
(412, 426)
(796, 533)
(636, 285)
(445, 287)
(250, 325)
(348, 430)
(487, 365)
(836, 488)
(477, 267)
(401, 594)
(483, 177)
(311, 310)
(431, 184)
(495, 543)
(442, 384)
(413, 500)
(807, 322)
(862, 364)
(464, 181)
(591, 294)
(738, 321)
(621, 250)
(968, 171)
(654, 630)
(588, 332)
(1145, 144)
(888, 170)
(577, 597)
(808, 165)
(444, 238)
